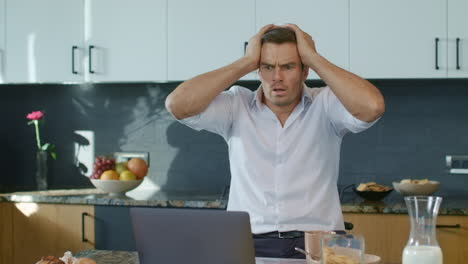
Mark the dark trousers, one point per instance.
(275, 247)
(278, 247)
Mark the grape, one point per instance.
(101, 164)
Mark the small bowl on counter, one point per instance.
(371, 191)
(372, 195)
(414, 188)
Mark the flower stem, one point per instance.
(38, 138)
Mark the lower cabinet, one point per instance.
(6, 234)
(49, 229)
(452, 235)
(387, 234)
(114, 228)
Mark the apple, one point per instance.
(127, 175)
(120, 166)
(138, 167)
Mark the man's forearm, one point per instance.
(193, 96)
(359, 97)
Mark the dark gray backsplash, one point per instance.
(424, 121)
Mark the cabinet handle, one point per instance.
(458, 53)
(73, 59)
(245, 46)
(83, 239)
(448, 226)
(436, 53)
(91, 47)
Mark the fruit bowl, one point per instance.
(115, 187)
(409, 189)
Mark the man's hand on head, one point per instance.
(253, 50)
(305, 45)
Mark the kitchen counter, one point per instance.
(142, 197)
(393, 204)
(131, 257)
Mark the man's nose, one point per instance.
(277, 74)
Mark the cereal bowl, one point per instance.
(409, 189)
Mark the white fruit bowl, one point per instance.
(115, 187)
(409, 189)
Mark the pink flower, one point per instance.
(35, 119)
(36, 115)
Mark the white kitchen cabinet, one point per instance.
(2, 40)
(397, 39)
(325, 20)
(457, 29)
(40, 38)
(207, 34)
(84, 40)
(126, 40)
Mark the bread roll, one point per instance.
(84, 261)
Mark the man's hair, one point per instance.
(279, 36)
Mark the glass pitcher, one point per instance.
(422, 246)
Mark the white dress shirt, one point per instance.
(284, 177)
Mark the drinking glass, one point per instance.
(341, 249)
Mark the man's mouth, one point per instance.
(279, 91)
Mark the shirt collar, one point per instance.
(257, 98)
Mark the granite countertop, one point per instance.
(393, 204)
(138, 197)
(131, 257)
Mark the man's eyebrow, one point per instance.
(285, 64)
(289, 64)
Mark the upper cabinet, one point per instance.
(409, 39)
(125, 40)
(398, 39)
(174, 40)
(2, 41)
(73, 41)
(457, 38)
(325, 20)
(207, 34)
(44, 41)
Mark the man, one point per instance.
(284, 139)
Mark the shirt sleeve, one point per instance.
(342, 120)
(217, 117)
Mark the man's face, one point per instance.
(281, 74)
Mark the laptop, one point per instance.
(195, 236)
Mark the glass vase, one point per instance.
(41, 170)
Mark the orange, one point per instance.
(138, 167)
(109, 175)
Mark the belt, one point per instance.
(276, 234)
